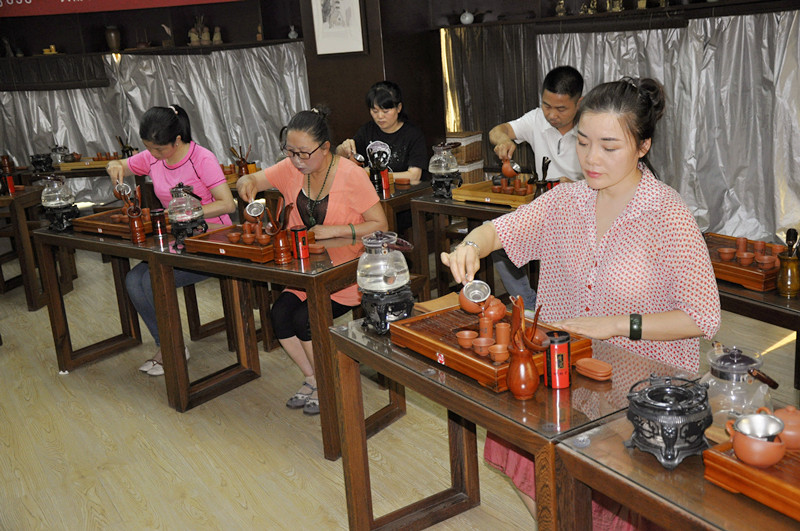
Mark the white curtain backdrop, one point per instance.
(233, 97)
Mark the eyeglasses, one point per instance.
(302, 155)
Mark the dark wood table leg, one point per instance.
(546, 510)
(355, 462)
(183, 394)
(68, 358)
(390, 215)
(463, 494)
(320, 319)
(419, 265)
(27, 263)
(443, 276)
(574, 499)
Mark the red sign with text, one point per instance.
(28, 8)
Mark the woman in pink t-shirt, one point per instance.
(334, 198)
(622, 259)
(171, 157)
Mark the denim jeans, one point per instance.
(140, 291)
(514, 279)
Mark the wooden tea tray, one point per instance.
(434, 336)
(482, 193)
(777, 487)
(101, 223)
(216, 242)
(82, 164)
(751, 277)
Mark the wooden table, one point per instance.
(397, 201)
(535, 425)
(319, 276)
(18, 206)
(441, 210)
(119, 252)
(767, 307)
(677, 499)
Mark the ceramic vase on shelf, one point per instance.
(113, 38)
(788, 280)
(522, 375)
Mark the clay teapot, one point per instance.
(495, 310)
(475, 296)
(750, 436)
(510, 168)
(790, 416)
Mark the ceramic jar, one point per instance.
(522, 375)
(788, 280)
(113, 38)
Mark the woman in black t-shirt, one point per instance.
(390, 125)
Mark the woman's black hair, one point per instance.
(162, 125)
(639, 102)
(313, 122)
(386, 95)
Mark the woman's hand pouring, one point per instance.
(464, 262)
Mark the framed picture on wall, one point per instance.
(338, 26)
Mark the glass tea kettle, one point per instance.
(58, 203)
(383, 268)
(56, 194)
(736, 385)
(443, 168)
(185, 214)
(185, 205)
(383, 280)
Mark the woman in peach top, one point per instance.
(334, 198)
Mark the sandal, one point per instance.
(300, 399)
(311, 407)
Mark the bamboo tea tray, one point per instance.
(434, 336)
(82, 164)
(216, 242)
(482, 193)
(101, 223)
(777, 487)
(751, 277)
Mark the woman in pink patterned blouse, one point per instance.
(621, 256)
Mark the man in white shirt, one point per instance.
(550, 130)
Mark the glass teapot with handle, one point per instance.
(56, 193)
(383, 268)
(736, 384)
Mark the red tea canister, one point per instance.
(158, 219)
(557, 360)
(299, 241)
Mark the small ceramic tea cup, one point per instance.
(759, 247)
(765, 262)
(498, 353)
(745, 258)
(497, 189)
(778, 249)
(234, 237)
(480, 345)
(741, 244)
(726, 253)
(465, 338)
